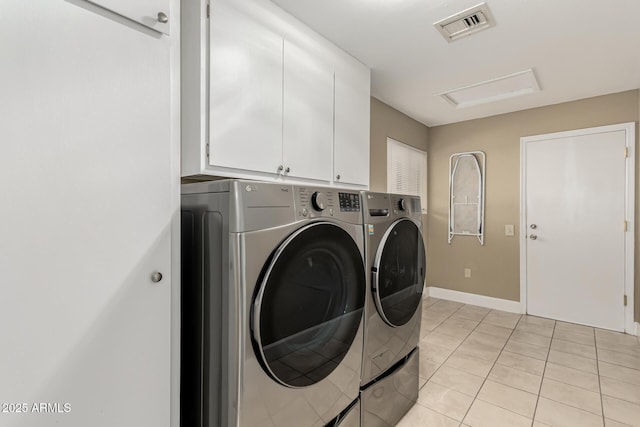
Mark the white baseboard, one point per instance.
(481, 300)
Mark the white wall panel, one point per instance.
(88, 194)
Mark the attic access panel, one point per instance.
(466, 194)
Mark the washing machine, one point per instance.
(396, 267)
(273, 292)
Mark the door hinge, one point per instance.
(626, 226)
(208, 10)
(207, 149)
(625, 300)
(626, 152)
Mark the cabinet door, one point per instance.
(308, 114)
(154, 14)
(245, 122)
(352, 115)
(89, 187)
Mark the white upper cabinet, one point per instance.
(264, 97)
(154, 14)
(245, 102)
(308, 115)
(352, 116)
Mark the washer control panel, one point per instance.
(349, 202)
(318, 201)
(327, 202)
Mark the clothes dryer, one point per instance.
(396, 266)
(273, 293)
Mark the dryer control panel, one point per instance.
(405, 205)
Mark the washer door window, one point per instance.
(308, 306)
(398, 273)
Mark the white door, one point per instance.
(245, 125)
(89, 189)
(351, 115)
(575, 245)
(308, 115)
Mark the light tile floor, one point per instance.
(482, 367)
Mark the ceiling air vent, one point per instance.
(465, 23)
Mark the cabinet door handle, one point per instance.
(287, 170)
(280, 168)
(338, 177)
(163, 18)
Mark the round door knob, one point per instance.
(319, 201)
(533, 226)
(402, 205)
(338, 177)
(280, 168)
(533, 237)
(156, 277)
(287, 170)
(163, 18)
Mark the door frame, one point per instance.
(630, 140)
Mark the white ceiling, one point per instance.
(577, 49)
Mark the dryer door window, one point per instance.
(399, 272)
(308, 305)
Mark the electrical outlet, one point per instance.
(467, 273)
(509, 230)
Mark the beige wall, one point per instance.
(495, 266)
(389, 122)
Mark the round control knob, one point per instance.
(319, 201)
(402, 205)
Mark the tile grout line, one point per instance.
(535, 333)
(503, 349)
(454, 350)
(535, 409)
(595, 343)
(443, 362)
(575, 355)
(618, 363)
(491, 369)
(430, 332)
(598, 374)
(515, 329)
